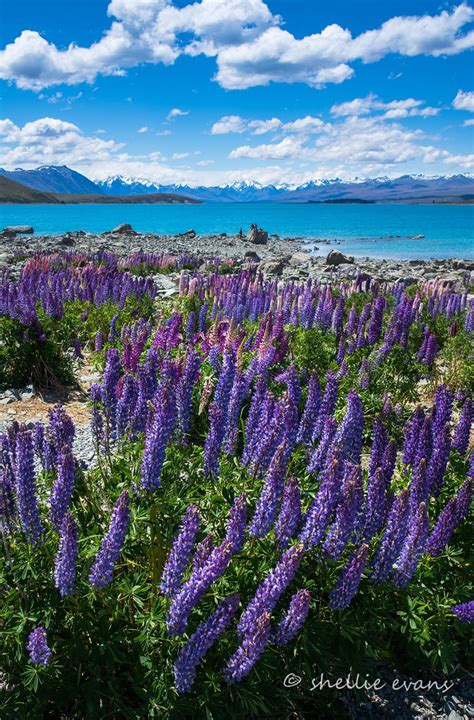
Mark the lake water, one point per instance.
(377, 230)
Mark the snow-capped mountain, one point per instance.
(53, 178)
(371, 189)
(61, 179)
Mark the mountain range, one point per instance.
(407, 188)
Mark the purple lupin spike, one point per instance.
(253, 645)
(180, 553)
(289, 517)
(349, 579)
(201, 641)
(65, 562)
(293, 619)
(101, 571)
(413, 547)
(464, 611)
(38, 649)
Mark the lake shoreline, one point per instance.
(289, 258)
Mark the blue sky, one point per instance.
(222, 90)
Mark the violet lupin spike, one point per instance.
(293, 619)
(102, 569)
(253, 645)
(65, 562)
(349, 579)
(38, 649)
(201, 641)
(271, 588)
(267, 504)
(347, 516)
(63, 486)
(289, 518)
(349, 435)
(180, 552)
(464, 611)
(25, 487)
(322, 507)
(236, 524)
(392, 538)
(463, 429)
(413, 547)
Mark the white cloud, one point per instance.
(464, 101)
(229, 124)
(176, 112)
(468, 123)
(143, 130)
(49, 141)
(260, 127)
(180, 155)
(363, 146)
(162, 133)
(238, 124)
(244, 37)
(392, 110)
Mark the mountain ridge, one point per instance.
(62, 180)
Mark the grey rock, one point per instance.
(188, 234)
(251, 256)
(67, 240)
(27, 393)
(124, 229)
(272, 267)
(257, 236)
(338, 258)
(18, 230)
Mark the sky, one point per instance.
(218, 91)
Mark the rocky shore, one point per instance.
(290, 258)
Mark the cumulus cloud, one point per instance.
(229, 124)
(247, 41)
(143, 130)
(49, 141)
(238, 124)
(349, 146)
(360, 143)
(464, 101)
(180, 155)
(393, 109)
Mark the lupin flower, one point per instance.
(311, 410)
(289, 517)
(40, 653)
(328, 403)
(379, 443)
(392, 538)
(463, 429)
(413, 547)
(293, 620)
(201, 641)
(65, 562)
(194, 588)
(63, 487)
(319, 456)
(253, 645)
(349, 580)
(465, 611)
(324, 502)
(235, 529)
(349, 435)
(270, 589)
(267, 504)
(180, 552)
(101, 571)
(25, 487)
(203, 551)
(157, 436)
(347, 516)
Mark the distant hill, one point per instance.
(13, 192)
(54, 179)
(150, 199)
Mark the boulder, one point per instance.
(18, 230)
(67, 240)
(251, 256)
(124, 229)
(257, 236)
(188, 234)
(272, 267)
(338, 258)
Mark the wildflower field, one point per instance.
(282, 483)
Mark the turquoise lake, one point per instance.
(374, 230)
